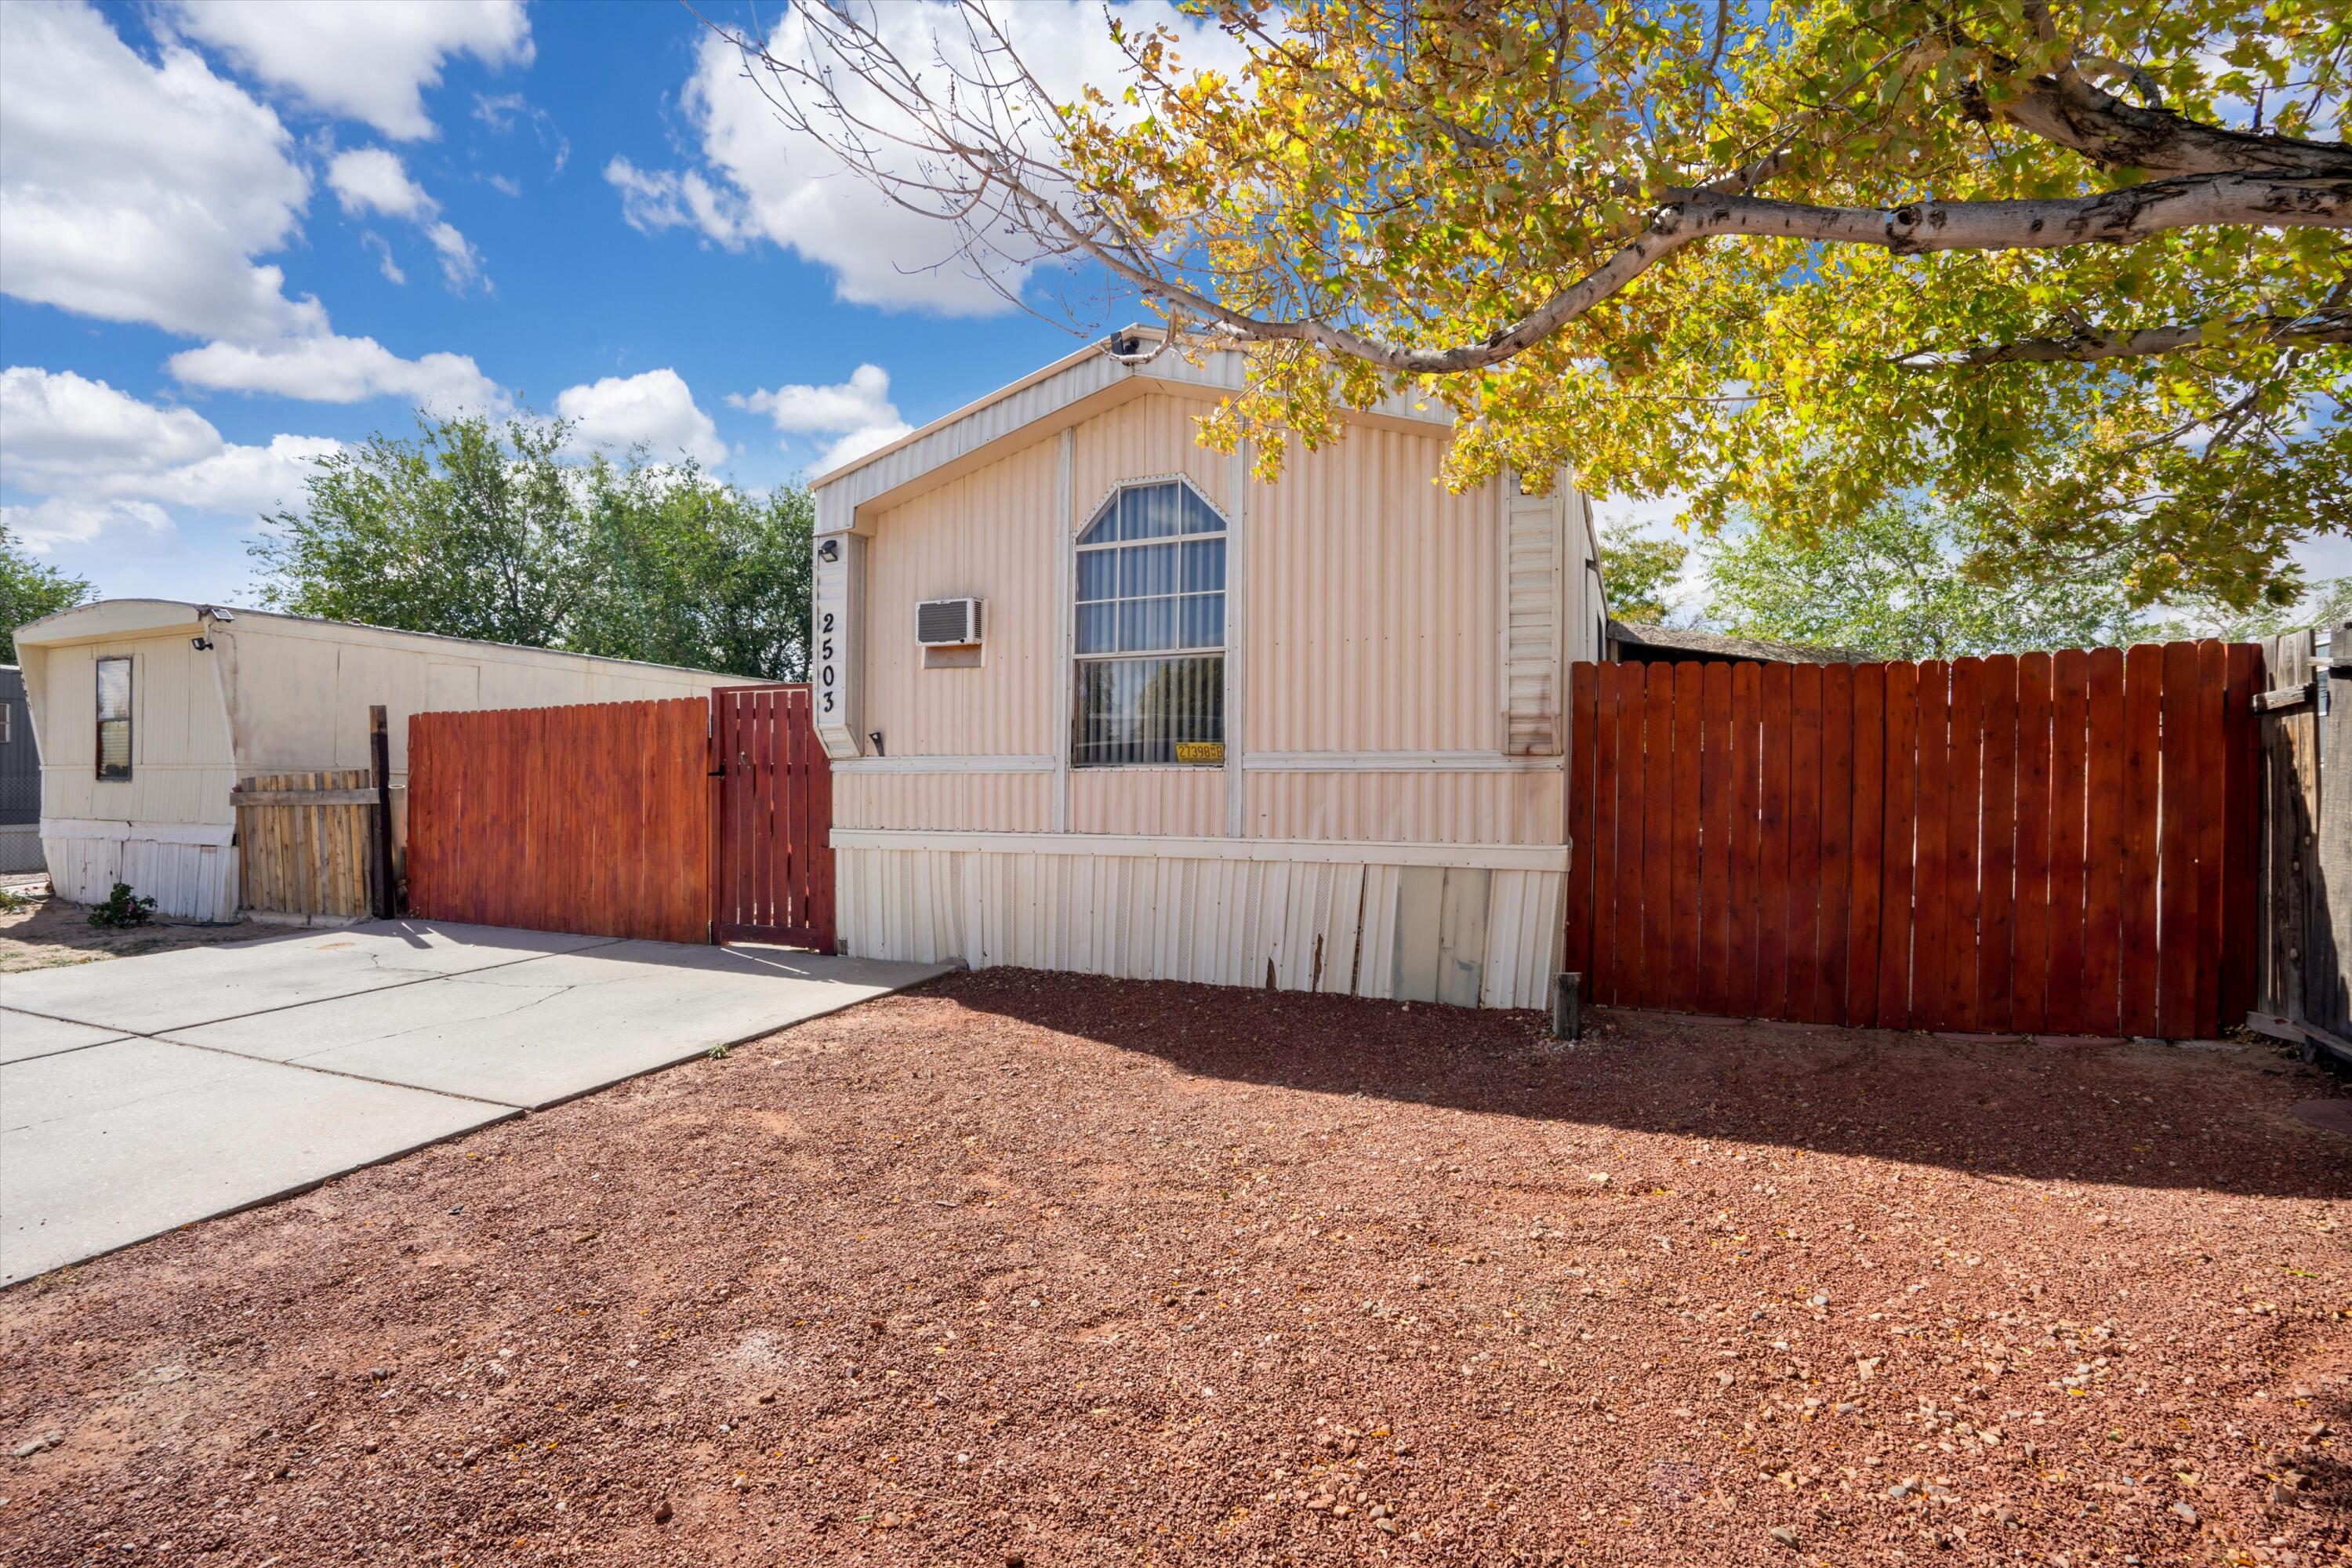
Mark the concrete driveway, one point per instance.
(141, 1094)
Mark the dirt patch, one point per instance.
(50, 932)
(1075, 1272)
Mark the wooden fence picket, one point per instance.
(2067, 843)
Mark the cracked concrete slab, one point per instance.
(24, 1036)
(536, 1033)
(121, 1142)
(195, 986)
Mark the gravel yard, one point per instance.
(1046, 1270)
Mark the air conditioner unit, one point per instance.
(947, 623)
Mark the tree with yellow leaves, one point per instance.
(2079, 271)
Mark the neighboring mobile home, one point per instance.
(20, 778)
(1100, 701)
(150, 711)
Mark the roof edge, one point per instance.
(240, 613)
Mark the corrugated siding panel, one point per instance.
(1182, 803)
(988, 535)
(1409, 808)
(1145, 439)
(969, 803)
(187, 881)
(181, 769)
(1532, 609)
(1492, 937)
(1372, 604)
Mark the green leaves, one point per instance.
(28, 591)
(472, 529)
(1424, 176)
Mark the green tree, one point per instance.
(1887, 584)
(29, 590)
(478, 529)
(2079, 268)
(469, 529)
(2330, 604)
(1638, 573)
(688, 570)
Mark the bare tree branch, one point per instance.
(2089, 347)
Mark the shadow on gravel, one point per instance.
(2133, 1114)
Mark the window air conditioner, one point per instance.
(947, 623)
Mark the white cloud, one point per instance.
(655, 199)
(368, 59)
(328, 368)
(460, 265)
(373, 179)
(654, 410)
(381, 250)
(99, 460)
(858, 412)
(768, 182)
(141, 193)
(65, 520)
(64, 426)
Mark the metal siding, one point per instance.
(1147, 438)
(181, 767)
(1183, 803)
(988, 535)
(1471, 935)
(978, 803)
(1525, 807)
(1372, 603)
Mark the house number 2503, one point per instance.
(824, 677)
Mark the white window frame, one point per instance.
(1223, 650)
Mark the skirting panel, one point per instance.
(1473, 936)
(187, 881)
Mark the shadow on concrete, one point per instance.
(2213, 1118)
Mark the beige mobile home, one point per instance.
(150, 711)
(1098, 701)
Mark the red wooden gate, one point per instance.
(774, 879)
(2047, 842)
(594, 818)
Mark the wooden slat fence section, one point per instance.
(594, 818)
(303, 843)
(2065, 843)
(775, 849)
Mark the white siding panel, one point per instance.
(1475, 936)
(187, 881)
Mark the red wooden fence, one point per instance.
(775, 850)
(595, 818)
(2060, 844)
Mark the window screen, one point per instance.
(1152, 630)
(114, 718)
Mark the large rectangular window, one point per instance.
(1151, 631)
(114, 718)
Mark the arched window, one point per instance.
(1152, 630)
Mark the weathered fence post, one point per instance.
(2290, 804)
(2327, 957)
(387, 901)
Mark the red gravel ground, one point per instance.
(1051, 1270)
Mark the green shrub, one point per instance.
(122, 908)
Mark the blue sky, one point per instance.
(235, 234)
(472, 204)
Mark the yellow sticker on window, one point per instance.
(1200, 750)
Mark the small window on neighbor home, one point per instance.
(8, 722)
(114, 718)
(1151, 631)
